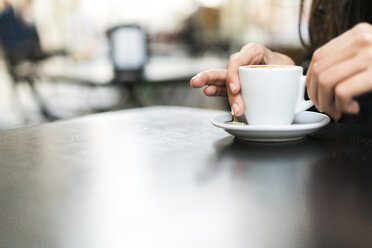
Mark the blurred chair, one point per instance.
(20, 43)
(129, 56)
(129, 53)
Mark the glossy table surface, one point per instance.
(165, 177)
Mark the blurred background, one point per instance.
(66, 58)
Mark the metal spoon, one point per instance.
(235, 120)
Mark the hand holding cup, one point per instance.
(220, 82)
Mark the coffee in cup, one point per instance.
(272, 94)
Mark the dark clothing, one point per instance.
(19, 40)
(365, 114)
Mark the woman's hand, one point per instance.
(340, 71)
(226, 82)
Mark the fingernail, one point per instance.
(196, 76)
(235, 108)
(193, 78)
(232, 87)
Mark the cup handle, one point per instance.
(303, 104)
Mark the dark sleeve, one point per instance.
(306, 60)
(365, 113)
(8, 21)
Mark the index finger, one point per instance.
(211, 77)
(250, 55)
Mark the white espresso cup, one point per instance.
(272, 94)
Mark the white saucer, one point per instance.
(304, 123)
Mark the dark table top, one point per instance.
(165, 177)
